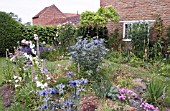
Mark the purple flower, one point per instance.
(166, 55)
(164, 59)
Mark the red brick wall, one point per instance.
(48, 16)
(140, 9)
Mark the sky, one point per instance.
(26, 9)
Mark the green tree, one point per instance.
(9, 33)
(99, 18)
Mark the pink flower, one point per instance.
(122, 97)
(44, 42)
(102, 87)
(35, 37)
(25, 42)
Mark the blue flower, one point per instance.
(164, 59)
(45, 106)
(166, 55)
(166, 78)
(96, 42)
(52, 91)
(69, 74)
(84, 81)
(43, 92)
(74, 82)
(43, 70)
(68, 103)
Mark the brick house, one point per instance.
(132, 11)
(53, 16)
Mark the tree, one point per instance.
(99, 18)
(10, 33)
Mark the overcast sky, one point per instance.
(26, 9)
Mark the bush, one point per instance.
(91, 31)
(66, 36)
(88, 54)
(9, 33)
(45, 33)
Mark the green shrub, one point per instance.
(91, 31)
(45, 33)
(156, 91)
(10, 33)
(66, 36)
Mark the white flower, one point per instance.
(59, 65)
(15, 77)
(33, 51)
(16, 86)
(31, 45)
(39, 84)
(20, 78)
(16, 81)
(66, 68)
(10, 80)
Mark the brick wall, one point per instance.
(139, 10)
(47, 16)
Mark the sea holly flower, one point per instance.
(52, 91)
(45, 106)
(74, 82)
(69, 74)
(84, 81)
(68, 103)
(43, 92)
(60, 88)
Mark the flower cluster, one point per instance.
(148, 107)
(124, 94)
(88, 53)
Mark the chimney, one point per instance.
(77, 12)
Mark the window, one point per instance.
(127, 27)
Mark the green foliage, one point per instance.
(168, 31)
(10, 33)
(26, 96)
(113, 93)
(62, 80)
(114, 40)
(66, 35)
(45, 33)
(139, 34)
(101, 88)
(91, 31)
(156, 90)
(100, 18)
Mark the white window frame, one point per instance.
(132, 22)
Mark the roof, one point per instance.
(57, 16)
